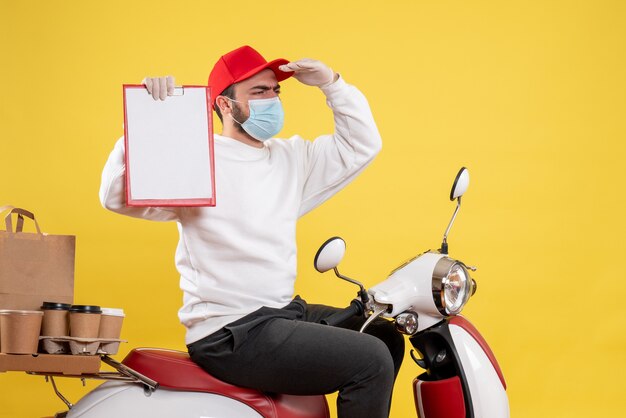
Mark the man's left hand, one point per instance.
(311, 72)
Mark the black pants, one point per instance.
(288, 351)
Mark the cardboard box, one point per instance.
(51, 363)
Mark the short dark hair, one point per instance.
(228, 92)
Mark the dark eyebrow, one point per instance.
(265, 87)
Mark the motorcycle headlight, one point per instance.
(452, 286)
(407, 323)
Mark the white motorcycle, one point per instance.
(424, 297)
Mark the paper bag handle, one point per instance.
(20, 219)
(7, 207)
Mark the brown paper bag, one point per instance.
(34, 267)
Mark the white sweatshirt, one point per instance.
(241, 254)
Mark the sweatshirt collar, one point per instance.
(227, 147)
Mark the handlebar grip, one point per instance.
(355, 308)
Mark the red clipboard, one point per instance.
(169, 147)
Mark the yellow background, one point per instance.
(530, 95)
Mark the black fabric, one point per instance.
(288, 351)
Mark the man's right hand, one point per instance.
(311, 72)
(159, 87)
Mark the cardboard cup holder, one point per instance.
(80, 346)
(73, 330)
(50, 346)
(93, 330)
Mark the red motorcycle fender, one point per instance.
(439, 399)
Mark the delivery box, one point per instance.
(50, 363)
(34, 267)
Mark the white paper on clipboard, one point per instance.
(169, 148)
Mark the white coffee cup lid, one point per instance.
(113, 311)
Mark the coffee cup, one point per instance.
(19, 331)
(55, 319)
(85, 321)
(111, 323)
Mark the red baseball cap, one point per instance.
(240, 64)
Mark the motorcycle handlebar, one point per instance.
(355, 308)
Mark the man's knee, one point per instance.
(379, 362)
(386, 331)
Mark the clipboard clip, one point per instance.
(178, 91)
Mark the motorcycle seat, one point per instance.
(175, 370)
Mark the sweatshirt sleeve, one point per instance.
(113, 190)
(333, 161)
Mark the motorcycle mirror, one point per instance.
(461, 182)
(459, 187)
(330, 254)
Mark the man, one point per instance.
(237, 260)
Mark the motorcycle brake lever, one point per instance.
(378, 311)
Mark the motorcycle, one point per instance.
(424, 297)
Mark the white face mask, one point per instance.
(265, 120)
